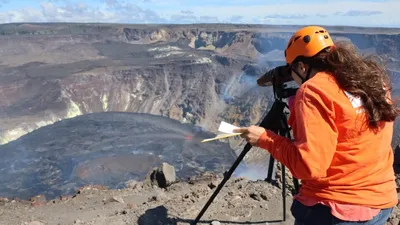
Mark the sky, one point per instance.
(369, 13)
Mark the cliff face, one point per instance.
(194, 74)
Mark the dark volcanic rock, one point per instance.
(106, 149)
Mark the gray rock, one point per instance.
(162, 176)
(132, 184)
(114, 199)
(169, 173)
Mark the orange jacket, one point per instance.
(334, 154)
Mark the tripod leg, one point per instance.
(270, 169)
(269, 122)
(296, 185)
(226, 178)
(284, 191)
(287, 131)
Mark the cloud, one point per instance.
(113, 11)
(187, 12)
(127, 12)
(78, 12)
(22, 16)
(111, 2)
(278, 16)
(3, 2)
(358, 13)
(236, 19)
(187, 16)
(316, 12)
(208, 19)
(181, 18)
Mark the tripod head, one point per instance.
(281, 91)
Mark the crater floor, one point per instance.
(105, 149)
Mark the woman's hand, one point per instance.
(251, 134)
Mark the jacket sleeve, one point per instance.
(310, 155)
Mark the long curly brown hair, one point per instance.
(361, 76)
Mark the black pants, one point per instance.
(321, 215)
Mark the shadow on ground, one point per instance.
(159, 216)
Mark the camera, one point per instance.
(277, 76)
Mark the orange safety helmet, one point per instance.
(307, 42)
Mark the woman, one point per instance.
(342, 122)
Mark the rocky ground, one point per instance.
(158, 200)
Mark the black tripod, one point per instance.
(276, 121)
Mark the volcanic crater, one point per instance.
(84, 104)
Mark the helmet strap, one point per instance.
(308, 74)
(302, 78)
